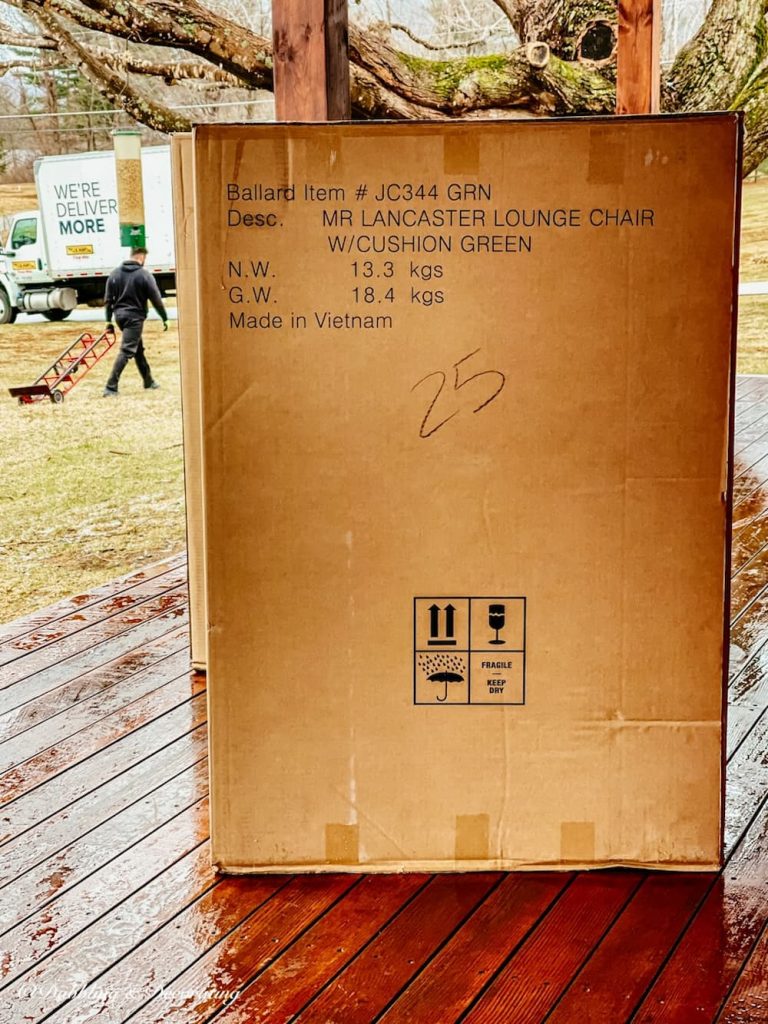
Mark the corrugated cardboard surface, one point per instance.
(357, 477)
(187, 305)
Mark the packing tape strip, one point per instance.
(461, 152)
(472, 836)
(577, 841)
(342, 844)
(607, 156)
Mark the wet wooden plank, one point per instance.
(700, 972)
(750, 400)
(614, 980)
(45, 882)
(748, 1002)
(533, 978)
(748, 586)
(301, 969)
(131, 641)
(155, 685)
(746, 782)
(746, 382)
(749, 426)
(747, 702)
(279, 992)
(748, 434)
(93, 639)
(86, 774)
(62, 828)
(748, 489)
(749, 404)
(748, 540)
(107, 914)
(103, 733)
(751, 456)
(749, 633)
(211, 981)
(91, 684)
(104, 953)
(748, 579)
(386, 965)
(753, 517)
(39, 641)
(43, 617)
(746, 682)
(453, 977)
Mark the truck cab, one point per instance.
(24, 249)
(27, 273)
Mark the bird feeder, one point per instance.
(130, 190)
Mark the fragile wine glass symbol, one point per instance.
(496, 620)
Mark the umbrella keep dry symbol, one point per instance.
(442, 669)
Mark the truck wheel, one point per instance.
(56, 397)
(8, 313)
(56, 314)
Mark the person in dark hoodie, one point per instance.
(129, 288)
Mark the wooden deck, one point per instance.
(110, 911)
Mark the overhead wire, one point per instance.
(119, 110)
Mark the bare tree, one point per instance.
(558, 57)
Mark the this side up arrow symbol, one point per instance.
(449, 613)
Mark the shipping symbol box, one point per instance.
(466, 400)
(469, 650)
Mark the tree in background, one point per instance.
(35, 92)
(549, 57)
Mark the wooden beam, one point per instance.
(310, 58)
(638, 58)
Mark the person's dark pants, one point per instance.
(131, 347)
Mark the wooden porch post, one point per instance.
(310, 60)
(638, 57)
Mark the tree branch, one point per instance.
(511, 9)
(34, 65)
(10, 37)
(173, 72)
(529, 78)
(371, 99)
(432, 46)
(176, 24)
(114, 88)
(87, 19)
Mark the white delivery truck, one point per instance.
(61, 254)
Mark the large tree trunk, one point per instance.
(710, 72)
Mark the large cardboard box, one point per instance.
(467, 392)
(189, 360)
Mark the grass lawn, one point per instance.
(93, 488)
(754, 231)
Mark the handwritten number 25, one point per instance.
(499, 380)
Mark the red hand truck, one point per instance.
(65, 371)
